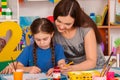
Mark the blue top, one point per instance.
(44, 57)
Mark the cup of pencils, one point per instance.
(18, 74)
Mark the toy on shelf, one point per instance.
(54, 1)
(117, 44)
(5, 10)
(8, 14)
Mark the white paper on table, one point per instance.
(28, 77)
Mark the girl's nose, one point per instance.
(41, 42)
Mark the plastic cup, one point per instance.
(18, 74)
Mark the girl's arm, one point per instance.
(61, 63)
(29, 69)
(10, 68)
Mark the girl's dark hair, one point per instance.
(72, 8)
(41, 25)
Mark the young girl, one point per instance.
(43, 55)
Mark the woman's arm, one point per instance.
(91, 53)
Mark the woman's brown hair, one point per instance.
(72, 8)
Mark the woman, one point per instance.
(79, 36)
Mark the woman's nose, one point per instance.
(62, 27)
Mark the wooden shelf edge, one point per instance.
(114, 27)
(102, 26)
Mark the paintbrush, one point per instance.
(109, 66)
(13, 64)
(105, 65)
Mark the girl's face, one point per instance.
(43, 39)
(64, 23)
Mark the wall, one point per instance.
(45, 8)
(36, 8)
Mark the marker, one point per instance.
(70, 63)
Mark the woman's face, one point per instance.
(43, 39)
(64, 23)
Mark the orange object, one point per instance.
(21, 1)
(18, 75)
(118, 1)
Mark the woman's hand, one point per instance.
(50, 71)
(33, 69)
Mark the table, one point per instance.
(42, 76)
(26, 76)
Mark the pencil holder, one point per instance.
(82, 75)
(99, 78)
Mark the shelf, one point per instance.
(103, 27)
(16, 20)
(114, 26)
(37, 0)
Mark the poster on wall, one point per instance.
(25, 22)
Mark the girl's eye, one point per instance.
(45, 39)
(37, 39)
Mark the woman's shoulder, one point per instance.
(84, 30)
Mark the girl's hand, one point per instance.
(7, 70)
(50, 71)
(34, 70)
(65, 69)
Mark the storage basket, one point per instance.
(83, 75)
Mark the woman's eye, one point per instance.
(58, 21)
(68, 24)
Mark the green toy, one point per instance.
(117, 42)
